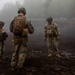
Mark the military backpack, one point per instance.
(19, 24)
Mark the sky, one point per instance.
(37, 9)
(2, 2)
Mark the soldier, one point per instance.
(20, 27)
(3, 36)
(51, 37)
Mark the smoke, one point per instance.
(39, 9)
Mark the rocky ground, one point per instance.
(37, 62)
(43, 66)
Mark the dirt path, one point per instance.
(42, 66)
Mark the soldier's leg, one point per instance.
(49, 47)
(55, 46)
(22, 54)
(1, 49)
(15, 56)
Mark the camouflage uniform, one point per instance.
(20, 46)
(19, 52)
(3, 36)
(51, 37)
(1, 49)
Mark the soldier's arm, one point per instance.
(5, 35)
(57, 30)
(30, 27)
(45, 35)
(11, 26)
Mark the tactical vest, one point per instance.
(19, 26)
(50, 29)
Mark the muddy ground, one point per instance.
(37, 62)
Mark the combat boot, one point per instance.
(58, 55)
(13, 69)
(49, 55)
(19, 71)
(1, 59)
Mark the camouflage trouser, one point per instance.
(52, 44)
(19, 54)
(1, 48)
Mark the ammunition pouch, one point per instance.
(25, 32)
(16, 39)
(48, 32)
(52, 33)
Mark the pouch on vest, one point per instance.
(16, 39)
(25, 32)
(19, 24)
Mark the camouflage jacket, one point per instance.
(53, 29)
(17, 39)
(3, 35)
(28, 26)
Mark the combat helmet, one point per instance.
(49, 19)
(22, 9)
